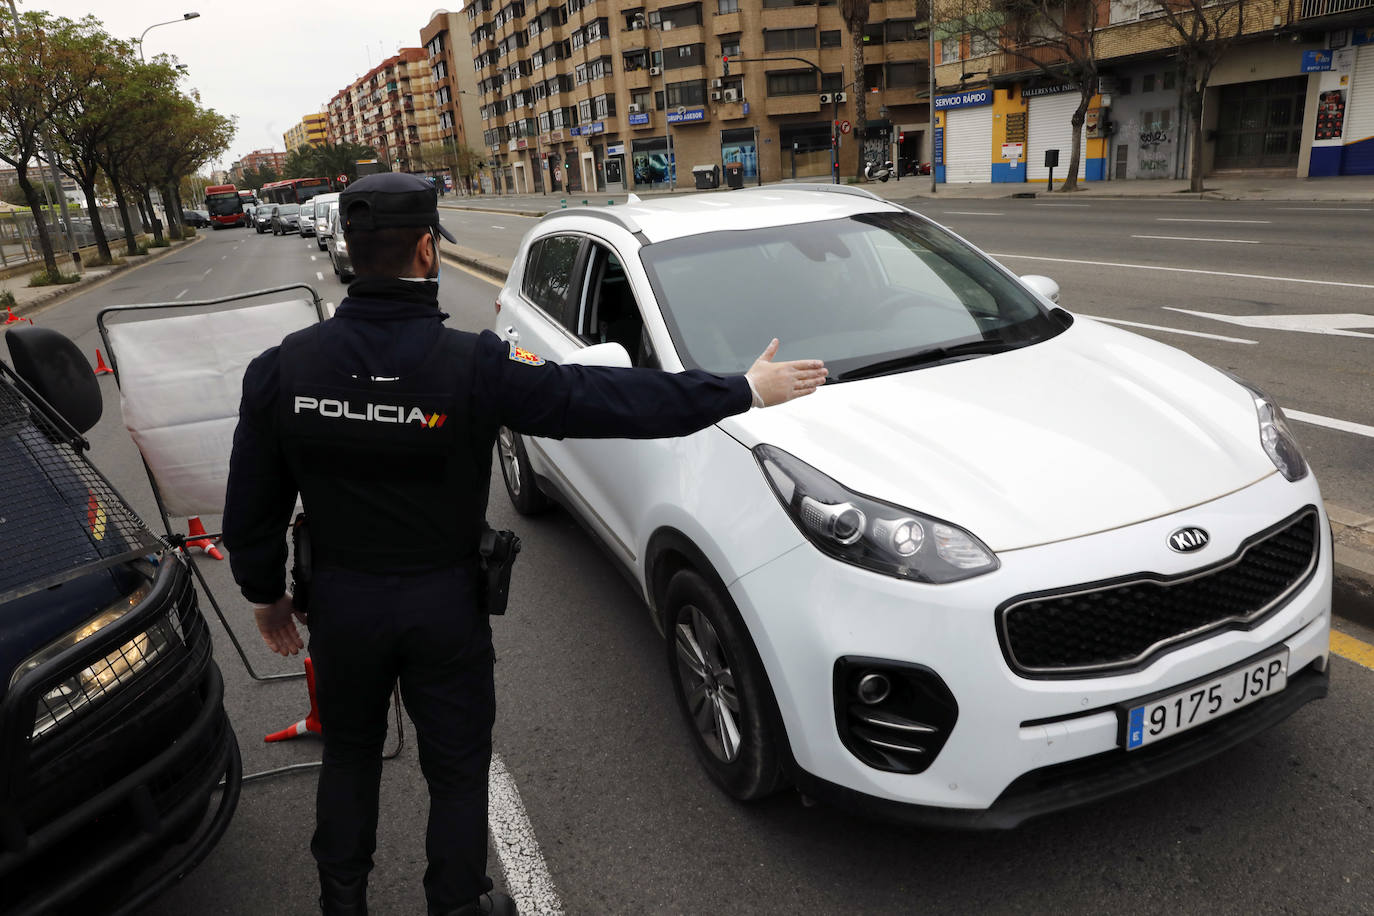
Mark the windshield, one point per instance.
(288, 210)
(224, 204)
(856, 292)
(305, 192)
(322, 211)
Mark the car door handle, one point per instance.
(512, 334)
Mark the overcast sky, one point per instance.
(264, 62)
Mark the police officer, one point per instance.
(384, 421)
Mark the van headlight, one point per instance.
(1277, 439)
(868, 533)
(102, 676)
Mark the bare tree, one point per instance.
(1055, 38)
(1204, 31)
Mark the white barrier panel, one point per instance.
(180, 383)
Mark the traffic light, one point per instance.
(725, 62)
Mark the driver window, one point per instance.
(611, 314)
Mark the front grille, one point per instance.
(1108, 626)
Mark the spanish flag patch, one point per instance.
(525, 356)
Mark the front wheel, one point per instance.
(885, 176)
(721, 689)
(518, 474)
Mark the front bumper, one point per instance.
(111, 811)
(1021, 746)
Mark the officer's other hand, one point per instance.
(278, 628)
(780, 382)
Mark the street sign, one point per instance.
(844, 127)
(342, 179)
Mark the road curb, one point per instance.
(499, 211)
(59, 294)
(1352, 538)
(493, 267)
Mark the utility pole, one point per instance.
(930, 111)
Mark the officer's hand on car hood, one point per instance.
(774, 383)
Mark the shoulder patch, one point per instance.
(525, 356)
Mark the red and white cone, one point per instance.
(311, 723)
(100, 367)
(196, 537)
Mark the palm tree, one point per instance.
(855, 15)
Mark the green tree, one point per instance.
(42, 68)
(13, 194)
(327, 161)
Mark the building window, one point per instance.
(830, 38)
(791, 82)
(727, 6)
(684, 56)
(899, 30)
(982, 45)
(832, 82)
(681, 17)
(950, 48)
(691, 92)
(729, 46)
(1147, 83)
(584, 109)
(789, 39)
(901, 75)
(604, 106)
(1168, 80)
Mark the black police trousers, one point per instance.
(366, 632)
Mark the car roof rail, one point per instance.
(837, 189)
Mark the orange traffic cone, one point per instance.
(196, 537)
(311, 723)
(11, 318)
(100, 367)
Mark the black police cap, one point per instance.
(392, 200)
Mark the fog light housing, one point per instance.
(873, 688)
(900, 728)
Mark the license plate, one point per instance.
(1206, 700)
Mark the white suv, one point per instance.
(1006, 561)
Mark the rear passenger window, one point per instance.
(549, 274)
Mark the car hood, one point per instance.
(1089, 431)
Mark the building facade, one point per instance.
(583, 96)
(311, 130)
(255, 160)
(391, 109)
(1292, 96)
(446, 42)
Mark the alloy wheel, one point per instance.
(708, 684)
(510, 461)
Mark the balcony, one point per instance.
(791, 17)
(1318, 9)
(728, 111)
(726, 23)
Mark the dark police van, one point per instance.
(118, 767)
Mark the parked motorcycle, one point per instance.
(875, 172)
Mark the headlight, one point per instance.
(868, 533)
(1277, 439)
(102, 676)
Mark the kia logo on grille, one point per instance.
(1186, 540)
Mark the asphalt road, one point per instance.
(628, 823)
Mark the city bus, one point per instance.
(293, 190)
(248, 197)
(224, 205)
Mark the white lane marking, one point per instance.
(1329, 209)
(973, 213)
(207, 272)
(527, 875)
(1185, 270)
(224, 257)
(1187, 238)
(1329, 422)
(329, 306)
(182, 293)
(1335, 325)
(498, 227)
(1187, 219)
(1156, 327)
(314, 257)
(1059, 205)
(319, 275)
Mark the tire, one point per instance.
(320, 243)
(516, 471)
(721, 689)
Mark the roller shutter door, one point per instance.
(1050, 129)
(968, 145)
(1359, 117)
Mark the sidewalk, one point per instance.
(1344, 189)
(28, 299)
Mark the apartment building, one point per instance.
(1294, 96)
(390, 108)
(255, 160)
(311, 130)
(584, 96)
(445, 40)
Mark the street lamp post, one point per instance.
(930, 111)
(669, 167)
(184, 17)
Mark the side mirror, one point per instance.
(607, 354)
(58, 371)
(1042, 285)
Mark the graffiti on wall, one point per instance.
(876, 148)
(1154, 155)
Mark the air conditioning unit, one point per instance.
(716, 84)
(715, 96)
(634, 107)
(825, 98)
(731, 95)
(841, 97)
(655, 71)
(637, 24)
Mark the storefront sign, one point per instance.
(1047, 90)
(939, 141)
(555, 136)
(1013, 150)
(616, 150)
(596, 127)
(1316, 61)
(639, 120)
(964, 99)
(686, 117)
(1016, 127)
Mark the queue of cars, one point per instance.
(1007, 560)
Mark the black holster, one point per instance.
(496, 552)
(302, 570)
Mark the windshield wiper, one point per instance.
(927, 357)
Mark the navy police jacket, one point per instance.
(384, 421)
